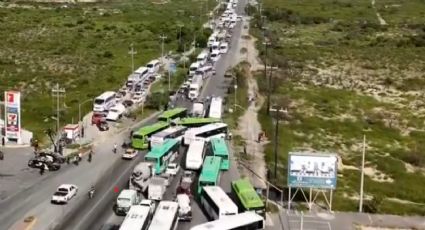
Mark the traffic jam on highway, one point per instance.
(187, 146)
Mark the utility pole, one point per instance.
(180, 34)
(132, 53)
(276, 134)
(162, 37)
(362, 175)
(57, 92)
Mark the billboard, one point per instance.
(12, 114)
(312, 170)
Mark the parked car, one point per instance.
(172, 169)
(130, 153)
(64, 193)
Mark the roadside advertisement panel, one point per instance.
(12, 110)
(312, 170)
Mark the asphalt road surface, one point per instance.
(35, 200)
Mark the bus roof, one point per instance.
(189, 121)
(210, 169)
(230, 222)
(146, 130)
(164, 215)
(208, 127)
(219, 147)
(220, 197)
(106, 95)
(170, 130)
(246, 194)
(160, 150)
(172, 112)
(136, 217)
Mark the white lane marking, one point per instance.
(102, 198)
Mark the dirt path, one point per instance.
(248, 129)
(382, 22)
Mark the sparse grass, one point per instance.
(342, 76)
(84, 48)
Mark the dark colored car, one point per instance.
(128, 103)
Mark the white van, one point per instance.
(153, 66)
(193, 67)
(212, 39)
(215, 46)
(224, 47)
(126, 199)
(202, 57)
(215, 55)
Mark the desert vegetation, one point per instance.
(85, 48)
(343, 73)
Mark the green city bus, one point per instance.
(196, 121)
(219, 149)
(172, 114)
(210, 174)
(247, 198)
(162, 155)
(139, 140)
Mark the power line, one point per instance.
(277, 111)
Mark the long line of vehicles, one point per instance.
(112, 106)
(206, 159)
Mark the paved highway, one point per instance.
(101, 212)
(35, 200)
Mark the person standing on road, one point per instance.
(42, 169)
(1, 156)
(115, 148)
(90, 156)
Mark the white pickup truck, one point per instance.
(156, 188)
(116, 112)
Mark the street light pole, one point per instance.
(162, 37)
(79, 108)
(132, 52)
(362, 175)
(56, 92)
(277, 111)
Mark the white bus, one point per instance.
(166, 216)
(193, 67)
(137, 218)
(195, 154)
(243, 221)
(143, 72)
(169, 133)
(206, 132)
(216, 203)
(202, 57)
(216, 107)
(104, 102)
